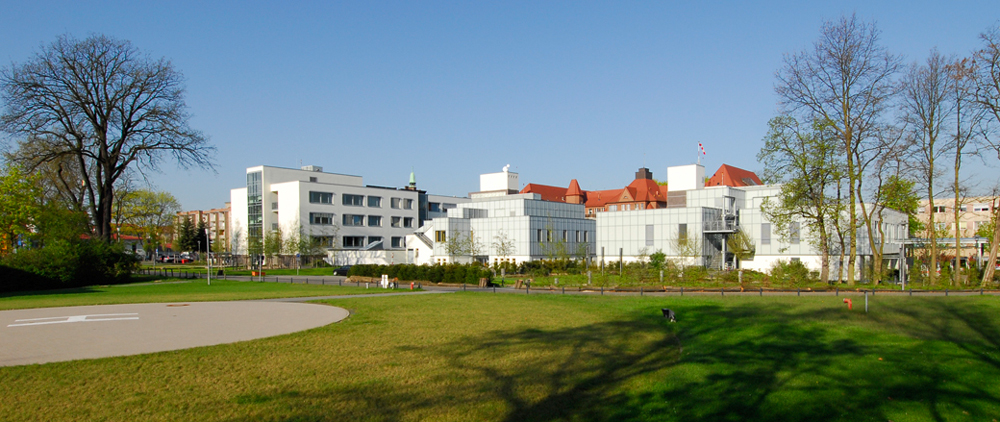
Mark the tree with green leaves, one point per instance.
(185, 239)
(20, 204)
(148, 213)
(272, 245)
(688, 248)
(807, 163)
(201, 236)
(103, 105)
(743, 249)
(845, 81)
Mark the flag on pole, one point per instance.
(702, 148)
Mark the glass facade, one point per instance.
(255, 210)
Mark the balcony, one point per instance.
(721, 226)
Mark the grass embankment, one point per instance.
(168, 290)
(486, 357)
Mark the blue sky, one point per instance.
(559, 90)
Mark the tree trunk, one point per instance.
(992, 262)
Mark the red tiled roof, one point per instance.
(733, 176)
(640, 190)
(574, 189)
(548, 193)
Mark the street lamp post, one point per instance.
(208, 253)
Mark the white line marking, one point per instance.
(73, 318)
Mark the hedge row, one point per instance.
(450, 273)
(65, 264)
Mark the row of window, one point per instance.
(359, 200)
(546, 235)
(395, 242)
(961, 208)
(326, 219)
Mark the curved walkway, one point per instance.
(43, 335)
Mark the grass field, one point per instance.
(501, 357)
(168, 290)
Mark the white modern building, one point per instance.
(354, 222)
(500, 225)
(709, 215)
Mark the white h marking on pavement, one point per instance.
(74, 318)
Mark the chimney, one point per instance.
(643, 173)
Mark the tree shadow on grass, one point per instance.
(745, 362)
(758, 362)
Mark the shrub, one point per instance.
(63, 264)
(792, 272)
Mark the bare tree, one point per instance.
(503, 245)
(927, 114)
(106, 106)
(987, 65)
(968, 124)
(846, 80)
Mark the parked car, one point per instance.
(184, 260)
(342, 270)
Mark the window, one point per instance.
(586, 236)
(578, 236)
(627, 207)
(962, 208)
(321, 218)
(407, 204)
(939, 208)
(407, 221)
(354, 200)
(321, 198)
(649, 235)
(565, 236)
(979, 224)
(274, 226)
(765, 233)
(313, 179)
(440, 236)
(395, 203)
(612, 208)
(375, 201)
(397, 222)
(373, 239)
(397, 242)
(539, 237)
(793, 233)
(682, 231)
(548, 235)
(354, 241)
(434, 207)
(354, 220)
(374, 221)
(446, 207)
(980, 208)
(941, 226)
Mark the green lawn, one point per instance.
(169, 290)
(503, 357)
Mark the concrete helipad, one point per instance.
(83, 332)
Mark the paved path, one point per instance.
(83, 332)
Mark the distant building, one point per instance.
(973, 213)
(505, 226)
(217, 220)
(353, 222)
